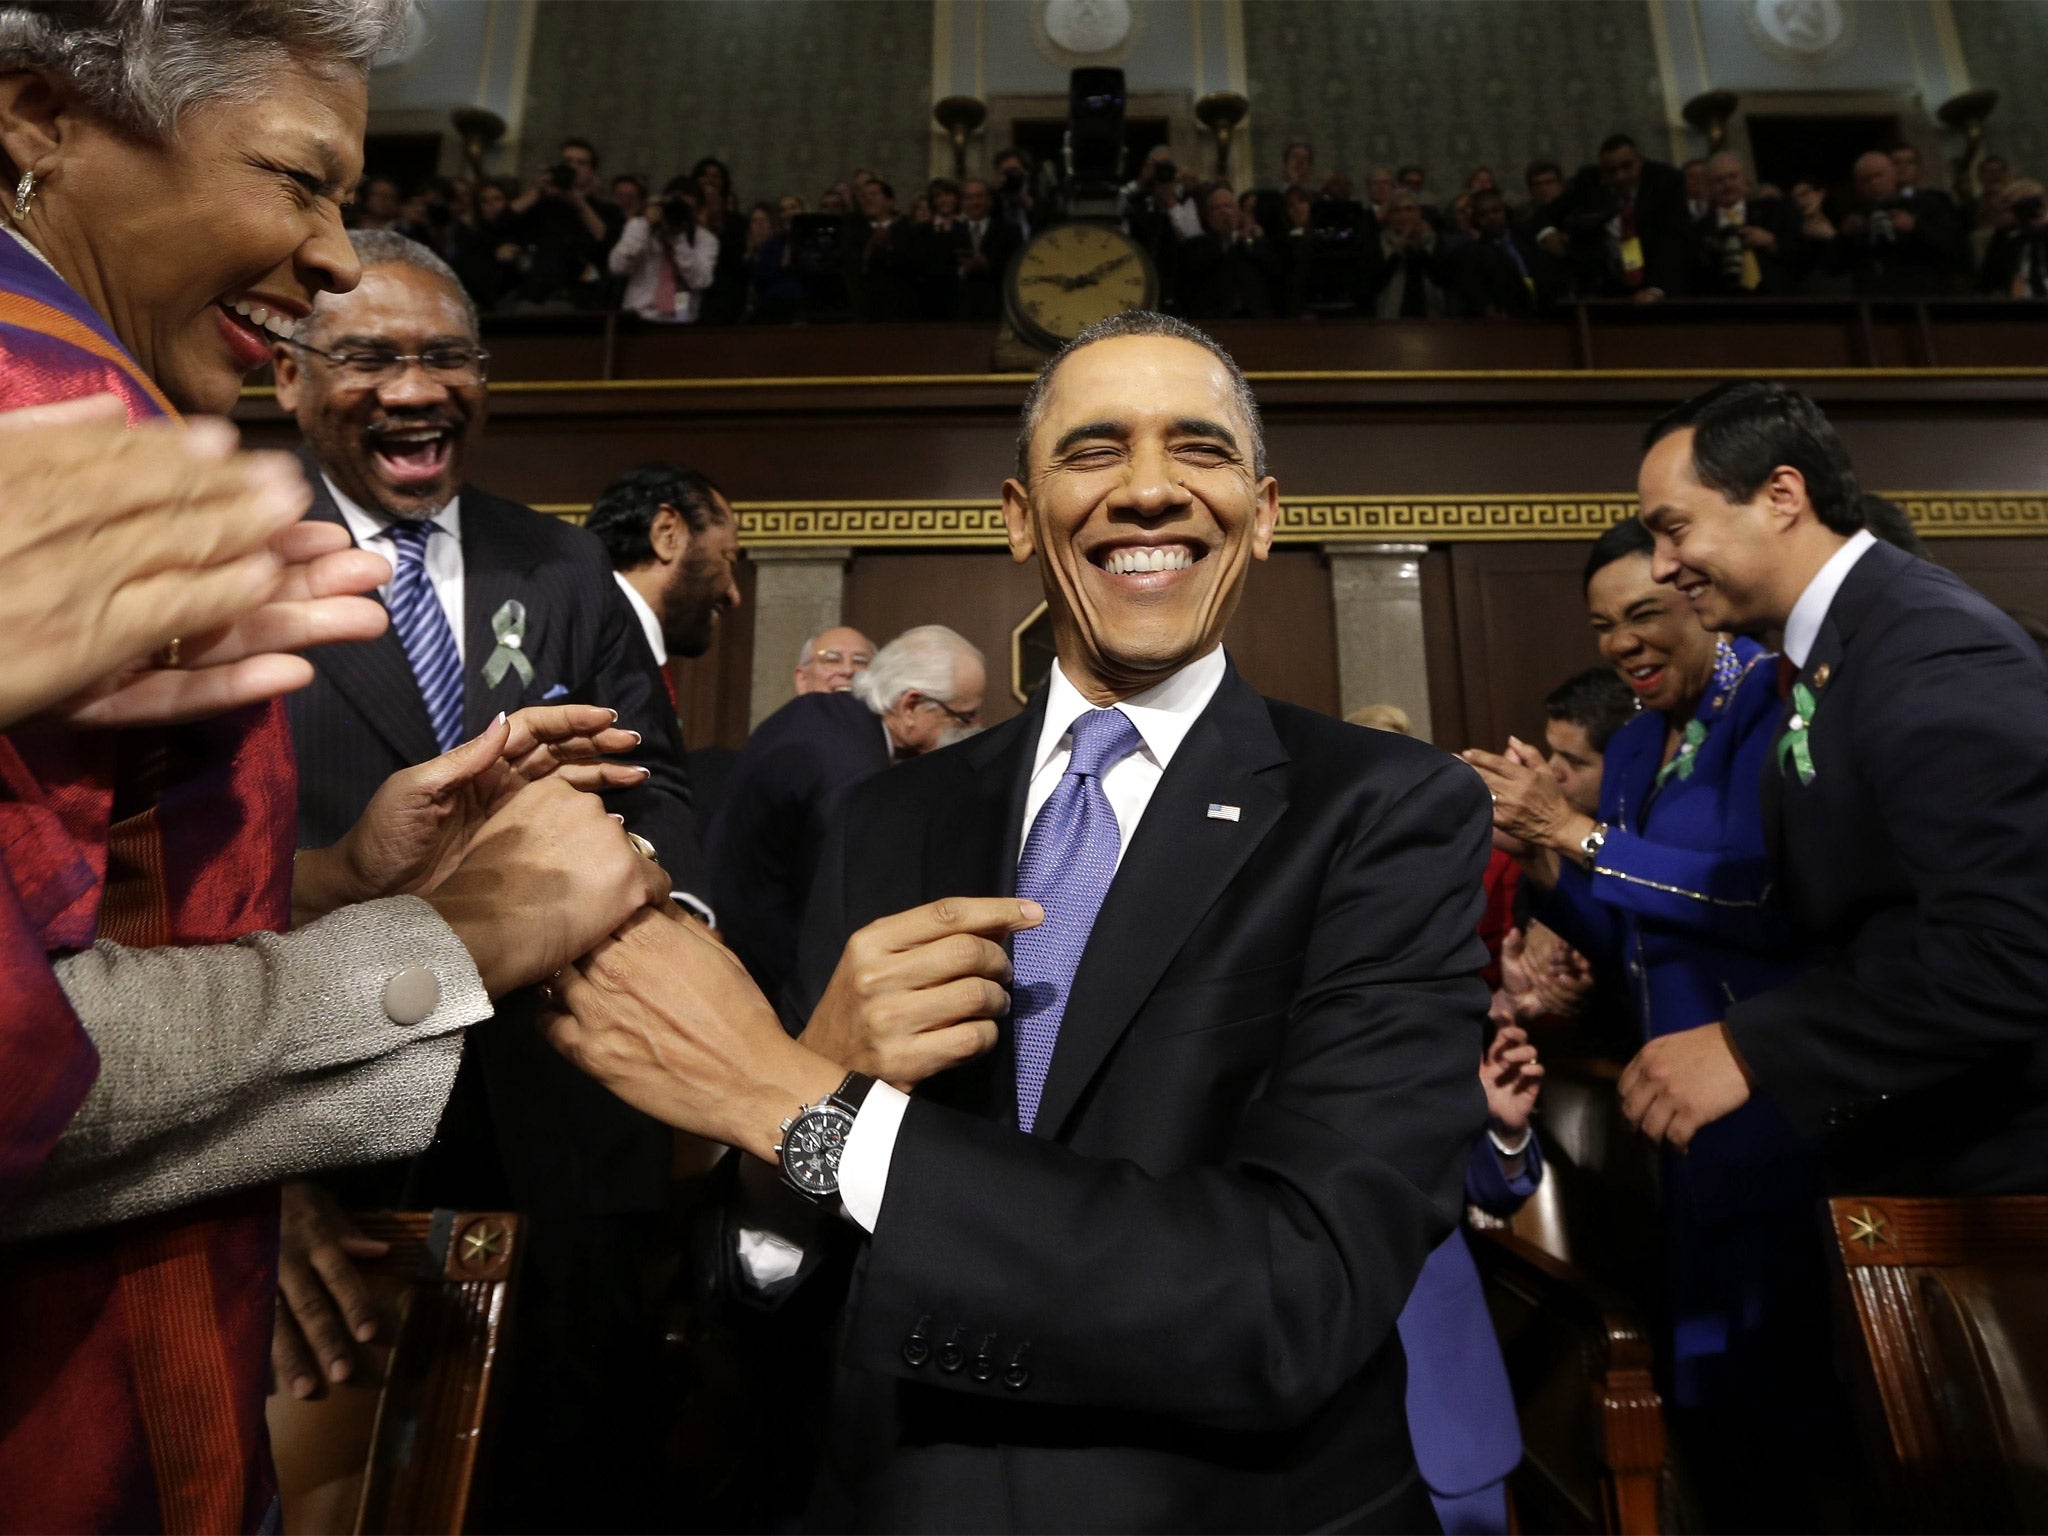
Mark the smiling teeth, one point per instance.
(262, 318)
(1134, 562)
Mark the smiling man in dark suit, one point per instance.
(494, 607)
(1906, 801)
(1132, 1258)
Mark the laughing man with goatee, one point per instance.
(494, 607)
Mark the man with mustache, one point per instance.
(1130, 1256)
(493, 607)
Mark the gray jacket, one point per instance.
(251, 1062)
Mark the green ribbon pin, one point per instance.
(1793, 743)
(509, 655)
(1688, 757)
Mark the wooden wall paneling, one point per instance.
(2013, 573)
(1283, 636)
(1440, 652)
(1522, 630)
(712, 690)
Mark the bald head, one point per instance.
(832, 659)
(1727, 180)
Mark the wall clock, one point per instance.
(1068, 277)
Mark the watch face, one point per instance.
(811, 1148)
(1073, 275)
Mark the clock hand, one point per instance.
(1107, 267)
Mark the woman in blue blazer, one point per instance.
(1672, 886)
(1461, 1410)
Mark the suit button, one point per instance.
(951, 1355)
(1018, 1376)
(918, 1347)
(984, 1367)
(411, 995)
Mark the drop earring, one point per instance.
(24, 194)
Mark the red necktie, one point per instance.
(1788, 674)
(668, 681)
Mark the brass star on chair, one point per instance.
(482, 1243)
(1869, 1228)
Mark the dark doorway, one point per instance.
(410, 159)
(1816, 149)
(1045, 136)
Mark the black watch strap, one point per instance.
(853, 1092)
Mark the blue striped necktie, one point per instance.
(1067, 864)
(423, 632)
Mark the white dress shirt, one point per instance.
(1802, 625)
(638, 258)
(650, 625)
(1163, 714)
(372, 530)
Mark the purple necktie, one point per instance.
(1067, 864)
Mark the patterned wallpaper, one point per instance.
(1451, 86)
(791, 94)
(2005, 44)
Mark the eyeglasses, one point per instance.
(834, 658)
(381, 365)
(968, 720)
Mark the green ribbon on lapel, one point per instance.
(509, 625)
(1793, 743)
(1688, 757)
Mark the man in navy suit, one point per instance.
(494, 607)
(1906, 800)
(1131, 1258)
(922, 690)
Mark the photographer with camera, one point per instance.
(666, 257)
(1158, 213)
(1017, 193)
(567, 224)
(2016, 260)
(1748, 246)
(1889, 245)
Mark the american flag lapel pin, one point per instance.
(1223, 813)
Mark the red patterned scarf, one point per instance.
(132, 1358)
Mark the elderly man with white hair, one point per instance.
(921, 692)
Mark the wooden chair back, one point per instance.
(1947, 1307)
(1592, 1421)
(400, 1448)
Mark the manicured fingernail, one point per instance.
(500, 720)
(614, 714)
(637, 738)
(615, 816)
(1031, 910)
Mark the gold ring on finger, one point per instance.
(168, 657)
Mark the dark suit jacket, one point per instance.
(780, 798)
(1663, 223)
(981, 292)
(1918, 857)
(1778, 269)
(1483, 279)
(1917, 264)
(560, 1141)
(1241, 282)
(883, 275)
(1171, 1306)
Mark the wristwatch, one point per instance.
(814, 1139)
(1591, 844)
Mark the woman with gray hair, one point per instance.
(173, 178)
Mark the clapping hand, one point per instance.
(117, 542)
(1528, 802)
(1541, 976)
(422, 820)
(1512, 1078)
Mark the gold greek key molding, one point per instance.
(964, 524)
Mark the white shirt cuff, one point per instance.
(864, 1165)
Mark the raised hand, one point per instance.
(1512, 1078)
(423, 819)
(116, 541)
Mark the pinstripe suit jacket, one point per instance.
(559, 1142)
